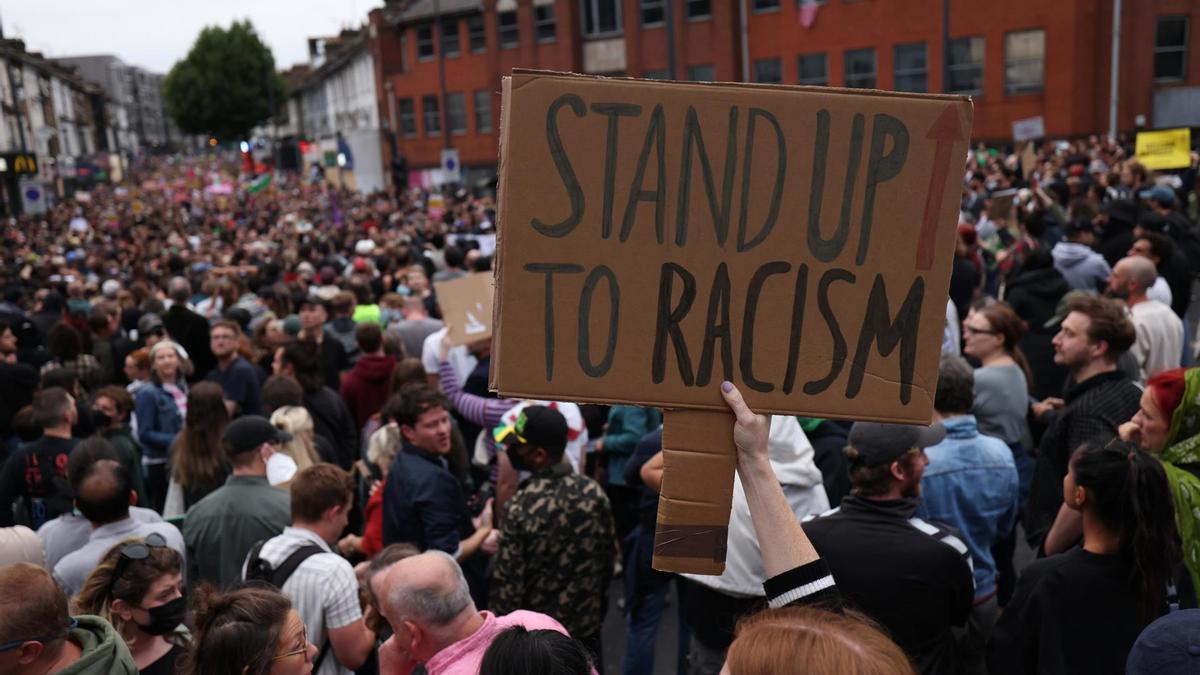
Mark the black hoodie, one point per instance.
(1034, 296)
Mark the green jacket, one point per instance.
(131, 458)
(104, 652)
(626, 426)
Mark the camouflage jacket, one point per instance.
(557, 551)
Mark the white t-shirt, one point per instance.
(1160, 291)
(1159, 344)
(461, 360)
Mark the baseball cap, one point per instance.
(1159, 193)
(149, 323)
(1061, 311)
(1168, 646)
(878, 443)
(249, 432)
(538, 426)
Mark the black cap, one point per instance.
(1121, 211)
(878, 443)
(250, 432)
(538, 426)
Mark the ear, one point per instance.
(416, 636)
(897, 470)
(133, 497)
(407, 432)
(30, 651)
(122, 609)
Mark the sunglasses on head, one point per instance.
(9, 646)
(135, 550)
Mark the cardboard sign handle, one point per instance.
(697, 491)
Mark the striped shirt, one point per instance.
(323, 590)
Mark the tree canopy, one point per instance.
(225, 85)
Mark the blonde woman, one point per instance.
(296, 421)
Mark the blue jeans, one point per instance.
(645, 598)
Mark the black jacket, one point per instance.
(332, 419)
(829, 443)
(191, 330)
(1034, 296)
(912, 576)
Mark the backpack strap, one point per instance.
(285, 570)
(254, 564)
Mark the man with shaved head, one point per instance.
(426, 600)
(1159, 344)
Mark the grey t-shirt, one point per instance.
(1001, 403)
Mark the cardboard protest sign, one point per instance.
(1170, 149)
(1028, 129)
(467, 307)
(658, 238)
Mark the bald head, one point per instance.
(104, 493)
(428, 589)
(1139, 270)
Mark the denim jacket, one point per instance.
(971, 485)
(158, 420)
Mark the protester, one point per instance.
(138, 588)
(297, 423)
(970, 485)
(535, 652)
(36, 473)
(1083, 268)
(1034, 294)
(333, 357)
(103, 496)
(197, 461)
(38, 635)
(331, 418)
(319, 582)
(111, 408)
(221, 528)
(236, 376)
(1159, 343)
(187, 328)
(66, 351)
(558, 529)
(161, 407)
(1093, 335)
(1081, 611)
(248, 631)
(626, 426)
(365, 387)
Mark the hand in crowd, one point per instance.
(1040, 408)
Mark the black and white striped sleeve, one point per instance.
(808, 584)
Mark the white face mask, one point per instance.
(280, 468)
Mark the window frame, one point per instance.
(446, 41)
(481, 34)
(431, 42)
(1181, 49)
(897, 72)
(515, 28)
(1011, 89)
(811, 82)
(775, 61)
(773, 6)
(687, 10)
(964, 67)
(652, 5)
(690, 72)
(541, 22)
(411, 115)
(434, 130)
(874, 75)
(487, 106)
(592, 8)
(461, 98)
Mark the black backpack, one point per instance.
(258, 569)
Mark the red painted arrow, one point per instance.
(947, 130)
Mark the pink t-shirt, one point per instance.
(465, 656)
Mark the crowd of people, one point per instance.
(236, 437)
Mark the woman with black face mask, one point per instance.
(138, 588)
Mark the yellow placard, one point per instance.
(1168, 149)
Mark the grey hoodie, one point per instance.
(1083, 268)
(104, 652)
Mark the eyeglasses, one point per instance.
(303, 649)
(971, 330)
(134, 550)
(9, 646)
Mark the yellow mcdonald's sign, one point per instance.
(19, 164)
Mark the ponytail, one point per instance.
(1130, 495)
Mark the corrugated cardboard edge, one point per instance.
(699, 458)
(501, 224)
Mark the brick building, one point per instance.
(1017, 59)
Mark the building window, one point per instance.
(543, 23)
(433, 118)
(483, 111)
(654, 74)
(1170, 48)
(424, 42)
(456, 113)
(506, 26)
(1024, 61)
(408, 117)
(451, 46)
(765, 5)
(813, 70)
(768, 71)
(601, 18)
(702, 73)
(698, 9)
(476, 34)
(860, 68)
(653, 12)
(912, 68)
(966, 66)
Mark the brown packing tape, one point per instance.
(697, 491)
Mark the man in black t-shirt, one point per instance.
(912, 576)
(36, 474)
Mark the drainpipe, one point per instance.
(1115, 67)
(745, 41)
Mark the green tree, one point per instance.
(225, 85)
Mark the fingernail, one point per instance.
(726, 386)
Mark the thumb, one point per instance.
(733, 398)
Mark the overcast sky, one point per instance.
(155, 34)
